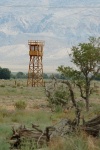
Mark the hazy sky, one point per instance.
(60, 23)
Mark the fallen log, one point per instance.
(92, 127)
(35, 138)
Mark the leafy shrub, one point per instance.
(80, 104)
(2, 85)
(20, 104)
(58, 96)
(58, 108)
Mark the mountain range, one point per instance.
(60, 23)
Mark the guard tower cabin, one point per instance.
(35, 73)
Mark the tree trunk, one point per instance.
(71, 93)
(87, 94)
(87, 104)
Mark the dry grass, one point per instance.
(38, 112)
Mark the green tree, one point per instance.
(20, 75)
(0, 72)
(86, 57)
(13, 76)
(45, 76)
(5, 73)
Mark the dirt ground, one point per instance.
(36, 104)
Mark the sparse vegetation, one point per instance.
(58, 95)
(42, 115)
(20, 105)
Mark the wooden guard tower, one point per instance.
(35, 73)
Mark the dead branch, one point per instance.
(37, 138)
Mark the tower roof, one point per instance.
(38, 42)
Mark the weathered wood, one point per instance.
(62, 129)
(35, 72)
(92, 126)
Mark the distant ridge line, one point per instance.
(44, 6)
